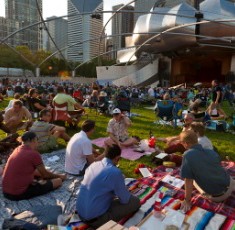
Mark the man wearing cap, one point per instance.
(79, 152)
(117, 129)
(23, 166)
(201, 168)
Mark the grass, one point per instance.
(224, 142)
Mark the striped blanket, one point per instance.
(203, 215)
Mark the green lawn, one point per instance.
(225, 142)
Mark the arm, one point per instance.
(38, 106)
(49, 175)
(217, 97)
(91, 158)
(186, 204)
(120, 189)
(126, 120)
(27, 115)
(169, 140)
(78, 106)
(57, 128)
(114, 139)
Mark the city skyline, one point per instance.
(49, 8)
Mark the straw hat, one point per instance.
(103, 94)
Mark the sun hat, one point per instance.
(103, 94)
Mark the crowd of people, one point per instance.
(103, 194)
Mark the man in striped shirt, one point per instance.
(48, 133)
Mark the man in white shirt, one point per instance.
(79, 152)
(199, 129)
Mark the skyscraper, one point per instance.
(22, 13)
(143, 6)
(122, 23)
(58, 29)
(84, 29)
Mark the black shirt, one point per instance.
(214, 93)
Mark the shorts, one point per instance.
(51, 144)
(35, 189)
(82, 172)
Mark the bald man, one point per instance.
(201, 168)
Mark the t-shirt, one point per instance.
(214, 93)
(102, 182)
(19, 171)
(32, 102)
(203, 166)
(23, 114)
(118, 129)
(78, 148)
(42, 130)
(62, 98)
(205, 142)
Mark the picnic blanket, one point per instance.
(204, 214)
(127, 153)
(65, 196)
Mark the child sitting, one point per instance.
(199, 129)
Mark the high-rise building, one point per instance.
(143, 6)
(84, 30)
(22, 13)
(3, 27)
(122, 22)
(58, 29)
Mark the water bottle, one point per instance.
(157, 209)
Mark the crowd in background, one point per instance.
(137, 94)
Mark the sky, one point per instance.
(59, 7)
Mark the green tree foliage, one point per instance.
(52, 67)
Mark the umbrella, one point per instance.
(197, 84)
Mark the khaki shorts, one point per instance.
(51, 144)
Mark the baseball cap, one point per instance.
(116, 111)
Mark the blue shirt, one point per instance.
(203, 166)
(102, 182)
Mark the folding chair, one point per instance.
(177, 112)
(164, 111)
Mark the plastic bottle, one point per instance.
(152, 142)
(157, 209)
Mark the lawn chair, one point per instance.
(164, 111)
(168, 112)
